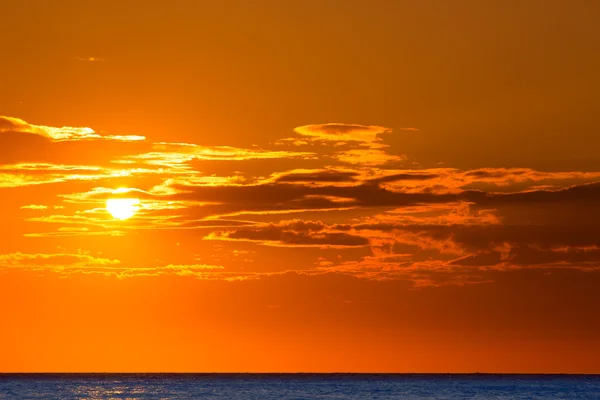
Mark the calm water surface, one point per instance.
(297, 386)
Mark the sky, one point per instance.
(300, 186)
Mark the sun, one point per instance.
(122, 208)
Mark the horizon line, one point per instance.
(304, 373)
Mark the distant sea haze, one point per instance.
(299, 386)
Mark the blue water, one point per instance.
(297, 386)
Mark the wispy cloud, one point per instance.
(65, 133)
(91, 59)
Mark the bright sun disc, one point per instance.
(122, 208)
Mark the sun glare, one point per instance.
(122, 208)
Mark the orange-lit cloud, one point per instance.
(91, 59)
(426, 225)
(65, 133)
(342, 132)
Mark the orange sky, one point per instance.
(382, 186)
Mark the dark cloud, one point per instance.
(294, 233)
(589, 192)
(318, 176)
(416, 176)
(475, 238)
(526, 256)
(272, 196)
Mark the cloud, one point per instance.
(293, 233)
(65, 264)
(368, 157)
(65, 133)
(408, 175)
(316, 176)
(342, 132)
(34, 207)
(91, 59)
(475, 238)
(174, 155)
(589, 192)
(387, 221)
(276, 237)
(21, 143)
(26, 174)
(274, 195)
(359, 144)
(59, 261)
(77, 263)
(239, 198)
(430, 273)
(585, 258)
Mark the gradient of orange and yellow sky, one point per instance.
(363, 186)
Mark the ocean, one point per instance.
(298, 386)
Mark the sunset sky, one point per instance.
(316, 185)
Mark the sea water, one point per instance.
(298, 386)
